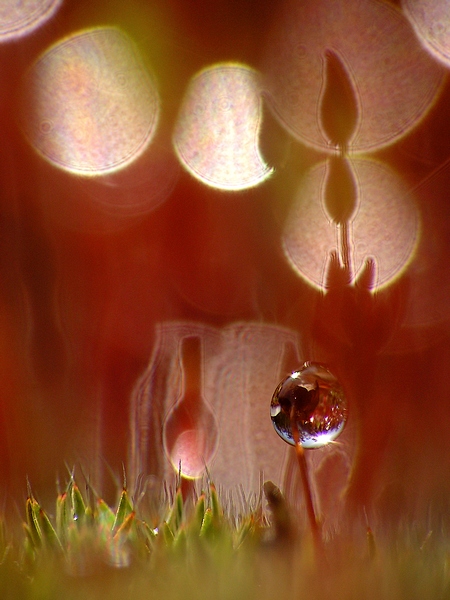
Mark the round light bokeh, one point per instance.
(217, 131)
(22, 18)
(386, 225)
(395, 81)
(190, 454)
(90, 105)
(431, 21)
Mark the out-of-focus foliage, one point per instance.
(203, 548)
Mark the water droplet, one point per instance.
(316, 399)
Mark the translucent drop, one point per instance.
(317, 401)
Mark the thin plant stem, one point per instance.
(301, 459)
(345, 247)
(313, 523)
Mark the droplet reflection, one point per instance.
(317, 401)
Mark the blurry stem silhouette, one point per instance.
(345, 247)
(340, 199)
(352, 324)
(339, 111)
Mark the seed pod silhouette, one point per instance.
(340, 191)
(338, 110)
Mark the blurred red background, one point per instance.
(82, 287)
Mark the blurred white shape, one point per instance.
(431, 21)
(243, 363)
(386, 225)
(21, 17)
(131, 192)
(90, 105)
(187, 457)
(395, 80)
(216, 135)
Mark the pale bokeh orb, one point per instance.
(431, 21)
(90, 105)
(386, 225)
(19, 18)
(217, 131)
(396, 82)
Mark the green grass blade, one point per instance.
(78, 505)
(32, 510)
(123, 510)
(176, 514)
(48, 531)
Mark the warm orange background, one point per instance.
(81, 290)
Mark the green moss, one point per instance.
(90, 550)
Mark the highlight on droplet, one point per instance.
(217, 130)
(18, 19)
(431, 22)
(311, 400)
(385, 225)
(90, 106)
(394, 81)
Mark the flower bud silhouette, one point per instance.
(338, 106)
